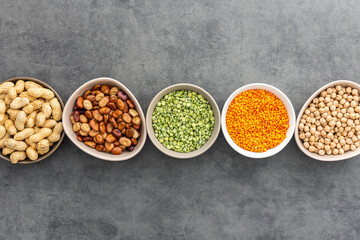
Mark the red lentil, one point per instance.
(257, 120)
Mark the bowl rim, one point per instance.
(325, 158)
(276, 92)
(214, 106)
(101, 155)
(57, 144)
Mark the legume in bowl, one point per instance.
(104, 119)
(328, 125)
(258, 120)
(183, 120)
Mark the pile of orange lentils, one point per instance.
(257, 120)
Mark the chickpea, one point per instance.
(302, 136)
(348, 90)
(312, 149)
(350, 134)
(327, 128)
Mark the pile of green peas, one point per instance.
(183, 121)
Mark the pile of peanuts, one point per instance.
(105, 118)
(30, 120)
(331, 123)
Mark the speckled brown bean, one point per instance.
(126, 109)
(116, 151)
(93, 133)
(113, 99)
(129, 132)
(113, 122)
(109, 146)
(123, 131)
(98, 117)
(126, 117)
(121, 125)
(109, 128)
(105, 89)
(83, 119)
(88, 114)
(96, 87)
(114, 91)
(134, 141)
(104, 110)
(110, 138)
(117, 113)
(94, 125)
(87, 138)
(87, 93)
(102, 127)
(76, 116)
(99, 147)
(136, 127)
(103, 102)
(116, 144)
(120, 104)
(131, 148)
(125, 141)
(136, 120)
(111, 105)
(99, 139)
(80, 102)
(90, 144)
(130, 103)
(106, 118)
(79, 138)
(91, 98)
(122, 95)
(116, 133)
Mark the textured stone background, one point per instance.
(220, 45)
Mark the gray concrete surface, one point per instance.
(297, 46)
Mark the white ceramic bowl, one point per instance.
(327, 158)
(290, 110)
(72, 135)
(215, 132)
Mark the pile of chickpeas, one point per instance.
(331, 123)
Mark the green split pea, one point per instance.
(183, 121)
